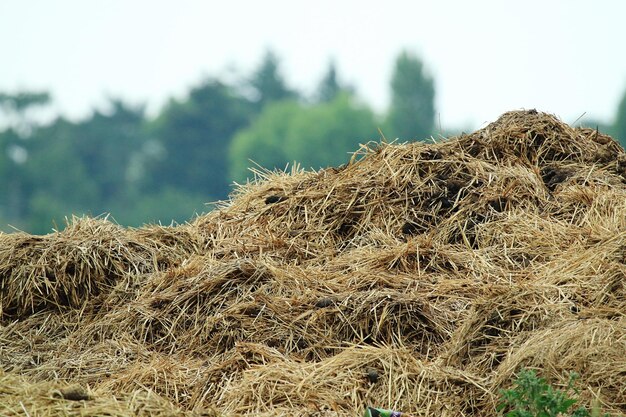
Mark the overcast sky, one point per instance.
(487, 57)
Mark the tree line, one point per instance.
(165, 167)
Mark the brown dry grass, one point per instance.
(440, 268)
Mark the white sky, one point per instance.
(487, 57)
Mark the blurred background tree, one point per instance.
(315, 136)
(330, 86)
(22, 101)
(262, 143)
(107, 144)
(191, 139)
(12, 158)
(57, 180)
(619, 126)
(267, 82)
(324, 135)
(412, 111)
(15, 110)
(166, 167)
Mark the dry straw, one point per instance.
(417, 277)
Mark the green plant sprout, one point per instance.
(532, 396)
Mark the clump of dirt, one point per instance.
(417, 277)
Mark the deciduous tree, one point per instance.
(315, 136)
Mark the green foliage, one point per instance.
(329, 87)
(12, 177)
(315, 136)
(619, 127)
(534, 397)
(194, 136)
(54, 168)
(117, 161)
(164, 206)
(412, 111)
(47, 211)
(82, 168)
(325, 134)
(12, 180)
(268, 84)
(106, 143)
(15, 108)
(19, 102)
(141, 170)
(263, 141)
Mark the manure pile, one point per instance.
(418, 277)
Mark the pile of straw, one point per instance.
(418, 277)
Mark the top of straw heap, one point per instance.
(418, 277)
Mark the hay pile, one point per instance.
(418, 277)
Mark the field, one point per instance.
(418, 277)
